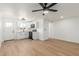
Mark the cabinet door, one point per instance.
(35, 35)
(22, 35)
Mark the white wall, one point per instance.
(8, 13)
(11, 13)
(43, 29)
(0, 30)
(8, 27)
(51, 33)
(67, 29)
(46, 29)
(40, 28)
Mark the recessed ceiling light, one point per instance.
(61, 17)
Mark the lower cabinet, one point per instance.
(21, 35)
(35, 35)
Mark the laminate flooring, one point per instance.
(28, 47)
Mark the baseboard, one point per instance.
(62, 39)
(43, 39)
(52, 38)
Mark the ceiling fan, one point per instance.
(46, 7)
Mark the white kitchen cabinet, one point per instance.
(35, 35)
(22, 35)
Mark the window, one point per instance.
(8, 24)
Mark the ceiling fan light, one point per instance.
(46, 11)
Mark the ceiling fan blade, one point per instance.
(42, 5)
(51, 5)
(37, 10)
(45, 4)
(53, 10)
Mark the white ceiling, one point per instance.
(25, 10)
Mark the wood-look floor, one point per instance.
(27, 47)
